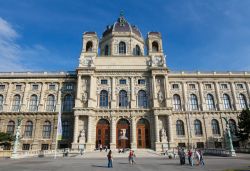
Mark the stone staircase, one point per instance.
(140, 153)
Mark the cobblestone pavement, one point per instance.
(121, 164)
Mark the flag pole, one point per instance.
(58, 130)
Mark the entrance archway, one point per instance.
(143, 134)
(123, 134)
(102, 133)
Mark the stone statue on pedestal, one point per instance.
(82, 138)
(85, 97)
(163, 135)
(160, 97)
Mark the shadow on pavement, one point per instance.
(100, 166)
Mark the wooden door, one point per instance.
(102, 133)
(123, 127)
(143, 136)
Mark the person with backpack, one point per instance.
(110, 159)
(190, 157)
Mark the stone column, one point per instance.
(42, 100)
(185, 96)
(8, 99)
(59, 98)
(25, 106)
(78, 92)
(170, 130)
(89, 129)
(133, 131)
(157, 139)
(133, 99)
(235, 103)
(113, 99)
(248, 90)
(113, 134)
(168, 101)
(202, 102)
(76, 132)
(92, 90)
(154, 93)
(217, 90)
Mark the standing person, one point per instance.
(197, 154)
(183, 156)
(106, 148)
(201, 158)
(179, 154)
(133, 157)
(110, 159)
(130, 156)
(190, 157)
(100, 147)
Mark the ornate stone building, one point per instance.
(123, 95)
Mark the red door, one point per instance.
(143, 135)
(102, 133)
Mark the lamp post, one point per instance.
(17, 138)
(229, 139)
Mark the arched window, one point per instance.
(243, 101)
(104, 102)
(89, 46)
(50, 106)
(176, 102)
(142, 99)
(155, 46)
(122, 48)
(16, 103)
(47, 129)
(68, 103)
(180, 128)
(123, 99)
(65, 129)
(1, 103)
(193, 102)
(210, 102)
(28, 129)
(232, 126)
(197, 127)
(33, 103)
(226, 102)
(11, 127)
(137, 50)
(215, 127)
(106, 50)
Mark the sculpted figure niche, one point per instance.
(163, 135)
(82, 138)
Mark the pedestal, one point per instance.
(112, 146)
(158, 146)
(232, 153)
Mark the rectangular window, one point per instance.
(52, 87)
(141, 81)
(18, 87)
(26, 146)
(240, 86)
(104, 81)
(45, 147)
(69, 86)
(208, 86)
(175, 86)
(224, 86)
(192, 86)
(35, 87)
(2, 87)
(122, 81)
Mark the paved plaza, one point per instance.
(153, 163)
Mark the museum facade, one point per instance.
(123, 95)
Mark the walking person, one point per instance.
(190, 157)
(197, 156)
(110, 159)
(183, 155)
(201, 158)
(130, 156)
(133, 157)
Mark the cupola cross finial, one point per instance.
(121, 13)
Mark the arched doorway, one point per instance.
(123, 134)
(143, 134)
(102, 133)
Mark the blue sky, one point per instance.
(46, 35)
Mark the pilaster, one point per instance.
(202, 101)
(113, 134)
(217, 90)
(78, 91)
(113, 99)
(133, 131)
(133, 99)
(235, 104)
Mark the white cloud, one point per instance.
(16, 57)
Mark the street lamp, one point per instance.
(229, 139)
(17, 138)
